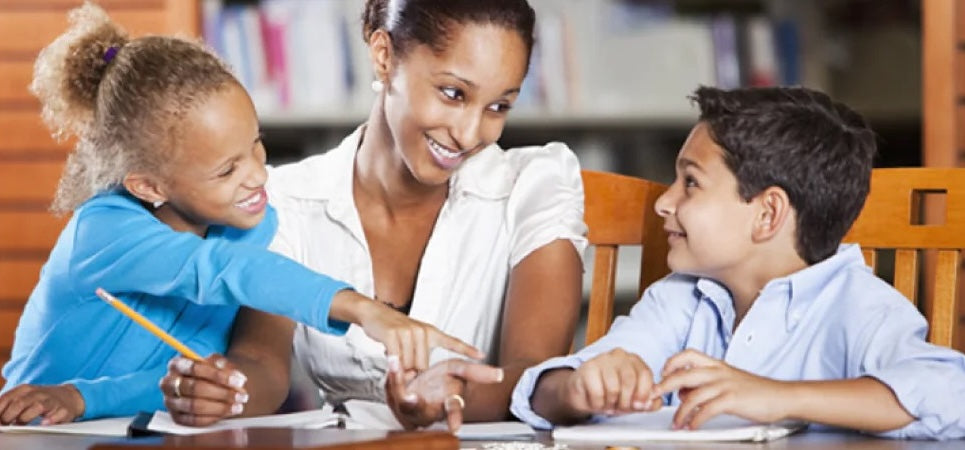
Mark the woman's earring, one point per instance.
(377, 86)
(157, 204)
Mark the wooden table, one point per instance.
(328, 439)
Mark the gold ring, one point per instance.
(177, 386)
(456, 397)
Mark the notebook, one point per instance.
(115, 426)
(357, 415)
(655, 426)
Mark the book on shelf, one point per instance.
(302, 59)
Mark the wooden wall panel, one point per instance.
(23, 32)
(15, 77)
(943, 108)
(26, 136)
(29, 182)
(28, 231)
(17, 280)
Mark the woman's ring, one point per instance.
(458, 398)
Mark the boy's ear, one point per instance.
(145, 187)
(380, 51)
(775, 212)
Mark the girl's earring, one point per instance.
(157, 204)
(377, 86)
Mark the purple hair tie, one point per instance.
(110, 53)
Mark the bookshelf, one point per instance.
(30, 161)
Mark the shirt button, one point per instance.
(750, 338)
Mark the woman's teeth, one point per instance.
(442, 151)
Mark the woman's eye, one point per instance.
(452, 93)
(500, 107)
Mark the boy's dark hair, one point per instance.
(432, 22)
(818, 150)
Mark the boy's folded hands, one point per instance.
(708, 387)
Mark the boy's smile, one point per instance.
(709, 225)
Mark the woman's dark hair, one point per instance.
(433, 22)
(818, 150)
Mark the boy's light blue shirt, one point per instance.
(188, 286)
(833, 320)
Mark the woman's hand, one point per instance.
(410, 339)
(419, 400)
(56, 404)
(202, 393)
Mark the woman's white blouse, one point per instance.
(502, 205)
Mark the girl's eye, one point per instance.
(500, 107)
(452, 93)
(227, 172)
(689, 181)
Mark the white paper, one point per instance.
(314, 419)
(362, 415)
(656, 426)
(495, 431)
(115, 426)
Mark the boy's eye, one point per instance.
(453, 93)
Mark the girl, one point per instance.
(170, 214)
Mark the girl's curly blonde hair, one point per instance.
(126, 105)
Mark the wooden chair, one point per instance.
(619, 211)
(891, 219)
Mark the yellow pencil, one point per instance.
(144, 322)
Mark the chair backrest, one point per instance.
(892, 219)
(619, 211)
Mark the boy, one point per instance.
(764, 317)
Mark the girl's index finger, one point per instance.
(440, 339)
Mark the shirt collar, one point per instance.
(801, 288)
(487, 174)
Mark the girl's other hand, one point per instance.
(56, 404)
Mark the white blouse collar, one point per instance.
(329, 176)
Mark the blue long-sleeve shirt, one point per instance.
(189, 286)
(833, 320)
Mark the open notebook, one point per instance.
(115, 426)
(655, 426)
(358, 415)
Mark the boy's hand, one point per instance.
(202, 393)
(611, 383)
(56, 404)
(410, 339)
(708, 387)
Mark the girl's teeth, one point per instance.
(250, 201)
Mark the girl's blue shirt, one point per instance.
(189, 286)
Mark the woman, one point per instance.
(420, 209)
